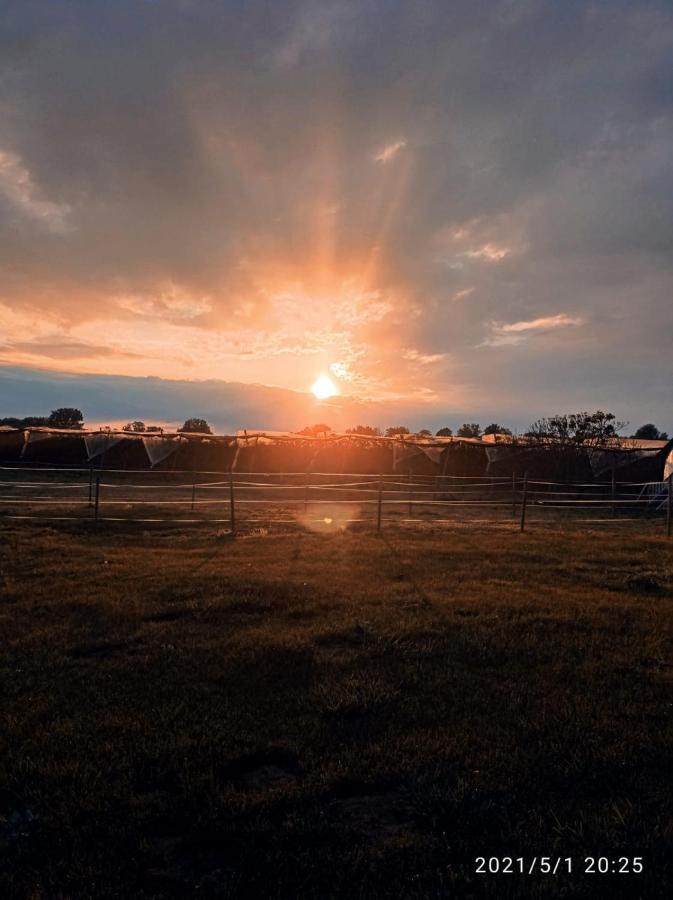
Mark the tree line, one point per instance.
(71, 418)
(572, 428)
(581, 428)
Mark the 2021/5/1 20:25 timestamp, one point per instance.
(558, 865)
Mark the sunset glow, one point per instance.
(323, 388)
(410, 241)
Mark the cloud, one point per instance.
(169, 301)
(546, 323)
(489, 252)
(17, 185)
(390, 151)
(424, 359)
(516, 332)
(56, 348)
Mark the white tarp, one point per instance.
(404, 452)
(668, 466)
(434, 454)
(97, 444)
(605, 460)
(11, 439)
(32, 437)
(503, 452)
(159, 448)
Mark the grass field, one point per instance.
(337, 715)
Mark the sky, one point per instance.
(458, 210)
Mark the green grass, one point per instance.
(297, 715)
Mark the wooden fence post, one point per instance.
(306, 489)
(97, 499)
(379, 505)
(514, 495)
(669, 505)
(90, 485)
(410, 494)
(232, 508)
(193, 495)
(524, 501)
(613, 493)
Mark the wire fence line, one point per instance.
(315, 498)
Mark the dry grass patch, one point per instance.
(329, 716)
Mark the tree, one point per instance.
(469, 430)
(444, 432)
(424, 432)
(137, 427)
(366, 430)
(650, 432)
(196, 426)
(315, 430)
(155, 429)
(493, 428)
(26, 422)
(66, 417)
(396, 430)
(577, 430)
(34, 422)
(565, 439)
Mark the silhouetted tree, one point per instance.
(469, 430)
(366, 430)
(396, 430)
(444, 432)
(565, 439)
(581, 429)
(134, 426)
(315, 430)
(66, 417)
(424, 432)
(494, 428)
(196, 426)
(650, 432)
(34, 422)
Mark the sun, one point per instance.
(323, 387)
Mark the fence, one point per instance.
(316, 499)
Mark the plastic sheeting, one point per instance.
(605, 460)
(97, 444)
(668, 466)
(12, 443)
(32, 437)
(159, 448)
(404, 452)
